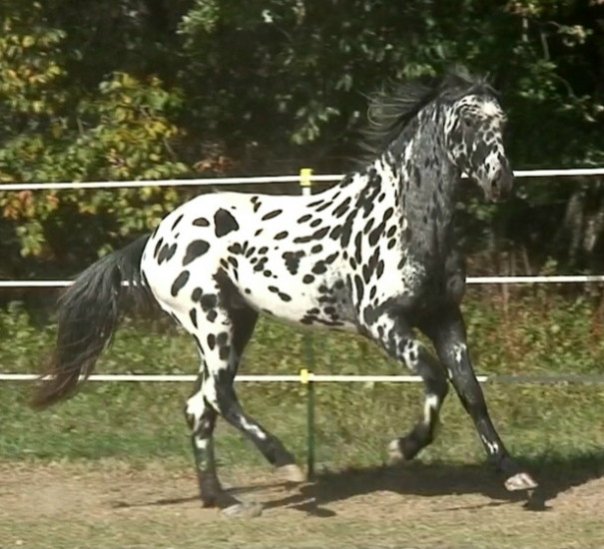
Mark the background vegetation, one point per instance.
(157, 88)
(146, 89)
(138, 422)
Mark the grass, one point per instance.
(555, 430)
(353, 423)
(537, 334)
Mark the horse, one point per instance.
(374, 254)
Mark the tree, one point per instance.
(158, 88)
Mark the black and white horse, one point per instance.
(374, 254)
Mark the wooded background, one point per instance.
(147, 89)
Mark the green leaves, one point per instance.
(125, 131)
(28, 68)
(122, 132)
(200, 21)
(149, 90)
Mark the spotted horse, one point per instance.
(375, 254)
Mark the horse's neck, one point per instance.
(428, 182)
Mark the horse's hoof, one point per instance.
(520, 481)
(395, 452)
(243, 510)
(291, 473)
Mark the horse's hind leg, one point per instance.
(201, 418)
(221, 371)
(221, 336)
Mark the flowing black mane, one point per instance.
(393, 108)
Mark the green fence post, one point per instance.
(306, 378)
(305, 373)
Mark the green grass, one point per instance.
(354, 423)
(537, 334)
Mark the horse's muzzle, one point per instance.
(501, 186)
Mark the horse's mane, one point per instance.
(394, 107)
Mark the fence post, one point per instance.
(305, 375)
(306, 378)
(306, 181)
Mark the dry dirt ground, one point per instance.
(110, 504)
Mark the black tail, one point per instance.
(88, 314)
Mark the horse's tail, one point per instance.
(88, 314)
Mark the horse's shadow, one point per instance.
(555, 476)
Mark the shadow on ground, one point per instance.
(555, 476)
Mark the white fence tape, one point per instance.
(562, 279)
(245, 378)
(311, 376)
(218, 181)
(291, 179)
(328, 378)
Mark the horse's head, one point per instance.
(474, 135)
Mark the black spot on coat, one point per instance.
(179, 282)
(376, 233)
(193, 317)
(157, 247)
(270, 215)
(358, 283)
(319, 268)
(208, 301)
(342, 208)
(292, 260)
(224, 223)
(178, 220)
(166, 253)
(196, 294)
(194, 250)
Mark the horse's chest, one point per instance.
(429, 285)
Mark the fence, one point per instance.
(305, 180)
(306, 376)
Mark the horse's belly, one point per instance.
(287, 298)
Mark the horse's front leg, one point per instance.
(399, 341)
(448, 333)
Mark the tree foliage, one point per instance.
(147, 89)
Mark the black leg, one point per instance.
(269, 445)
(436, 389)
(447, 331)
